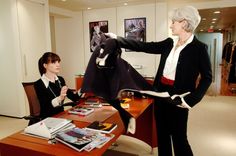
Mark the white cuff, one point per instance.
(56, 102)
(111, 35)
(101, 61)
(179, 95)
(184, 104)
(80, 94)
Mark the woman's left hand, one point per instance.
(63, 92)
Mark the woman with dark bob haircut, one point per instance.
(51, 89)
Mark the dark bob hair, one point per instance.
(48, 57)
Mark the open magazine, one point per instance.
(145, 92)
(82, 139)
(103, 127)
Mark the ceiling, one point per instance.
(223, 21)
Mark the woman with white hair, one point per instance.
(182, 61)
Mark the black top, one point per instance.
(193, 60)
(45, 96)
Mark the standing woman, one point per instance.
(183, 60)
(51, 89)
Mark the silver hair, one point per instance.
(189, 14)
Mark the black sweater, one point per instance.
(45, 96)
(193, 60)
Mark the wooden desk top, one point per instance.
(25, 145)
(99, 114)
(28, 146)
(138, 106)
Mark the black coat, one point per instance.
(193, 60)
(106, 81)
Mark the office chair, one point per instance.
(34, 104)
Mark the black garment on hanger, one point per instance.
(116, 74)
(232, 71)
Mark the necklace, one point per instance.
(52, 90)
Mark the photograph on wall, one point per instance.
(96, 32)
(135, 28)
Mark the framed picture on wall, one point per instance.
(96, 32)
(135, 28)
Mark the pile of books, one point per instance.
(48, 127)
(93, 136)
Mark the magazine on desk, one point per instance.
(81, 110)
(94, 103)
(82, 139)
(91, 101)
(102, 127)
(145, 92)
(48, 127)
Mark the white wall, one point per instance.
(146, 61)
(157, 29)
(161, 25)
(69, 45)
(72, 35)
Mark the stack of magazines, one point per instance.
(95, 103)
(83, 139)
(81, 110)
(48, 127)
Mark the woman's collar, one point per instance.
(46, 80)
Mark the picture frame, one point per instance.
(96, 33)
(135, 28)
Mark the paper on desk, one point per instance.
(145, 92)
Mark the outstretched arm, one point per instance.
(148, 47)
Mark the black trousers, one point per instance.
(171, 128)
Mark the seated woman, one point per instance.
(51, 89)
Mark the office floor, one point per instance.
(211, 131)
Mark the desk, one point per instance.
(143, 111)
(22, 145)
(19, 144)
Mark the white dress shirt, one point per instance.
(172, 59)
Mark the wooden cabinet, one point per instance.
(78, 81)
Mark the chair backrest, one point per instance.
(34, 104)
